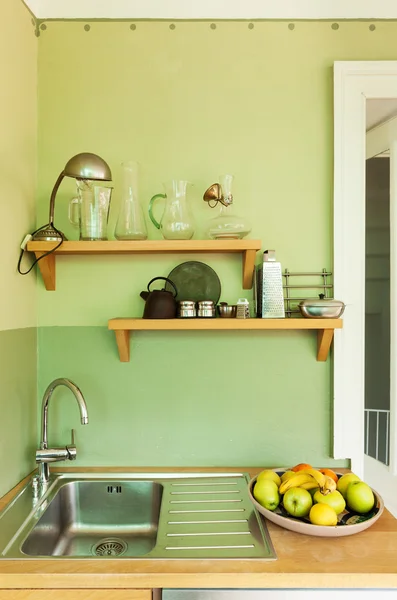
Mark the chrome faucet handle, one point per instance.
(48, 455)
(72, 450)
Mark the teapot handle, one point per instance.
(164, 279)
(151, 203)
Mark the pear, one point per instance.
(269, 474)
(266, 493)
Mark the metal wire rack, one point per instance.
(315, 283)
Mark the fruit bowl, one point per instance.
(349, 522)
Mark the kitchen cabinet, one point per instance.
(47, 262)
(76, 594)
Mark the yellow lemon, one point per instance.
(322, 514)
(269, 474)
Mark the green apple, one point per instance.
(297, 502)
(269, 474)
(360, 497)
(287, 475)
(334, 499)
(344, 481)
(266, 493)
(313, 491)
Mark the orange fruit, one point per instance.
(329, 473)
(301, 467)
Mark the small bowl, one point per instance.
(227, 311)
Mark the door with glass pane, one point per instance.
(380, 322)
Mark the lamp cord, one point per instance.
(43, 255)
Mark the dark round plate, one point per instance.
(195, 281)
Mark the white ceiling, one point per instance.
(214, 9)
(380, 110)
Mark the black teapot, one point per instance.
(160, 304)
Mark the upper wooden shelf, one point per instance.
(248, 249)
(123, 326)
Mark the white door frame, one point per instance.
(354, 82)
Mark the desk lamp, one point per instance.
(81, 166)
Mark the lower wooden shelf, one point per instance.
(124, 326)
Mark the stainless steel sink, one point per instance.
(87, 518)
(135, 515)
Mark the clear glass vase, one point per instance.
(131, 223)
(226, 225)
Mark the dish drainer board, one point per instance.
(315, 283)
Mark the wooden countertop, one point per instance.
(365, 560)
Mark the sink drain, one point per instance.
(109, 547)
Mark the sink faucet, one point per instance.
(46, 455)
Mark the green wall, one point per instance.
(18, 311)
(18, 405)
(189, 399)
(191, 102)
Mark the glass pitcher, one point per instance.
(177, 222)
(92, 204)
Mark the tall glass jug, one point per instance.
(177, 222)
(131, 222)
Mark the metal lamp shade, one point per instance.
(87, 166)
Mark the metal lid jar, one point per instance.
(206, 308)
(187, 309)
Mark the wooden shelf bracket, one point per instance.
(249, 257)
(47, 270)
(123, 344)
(324, 341)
